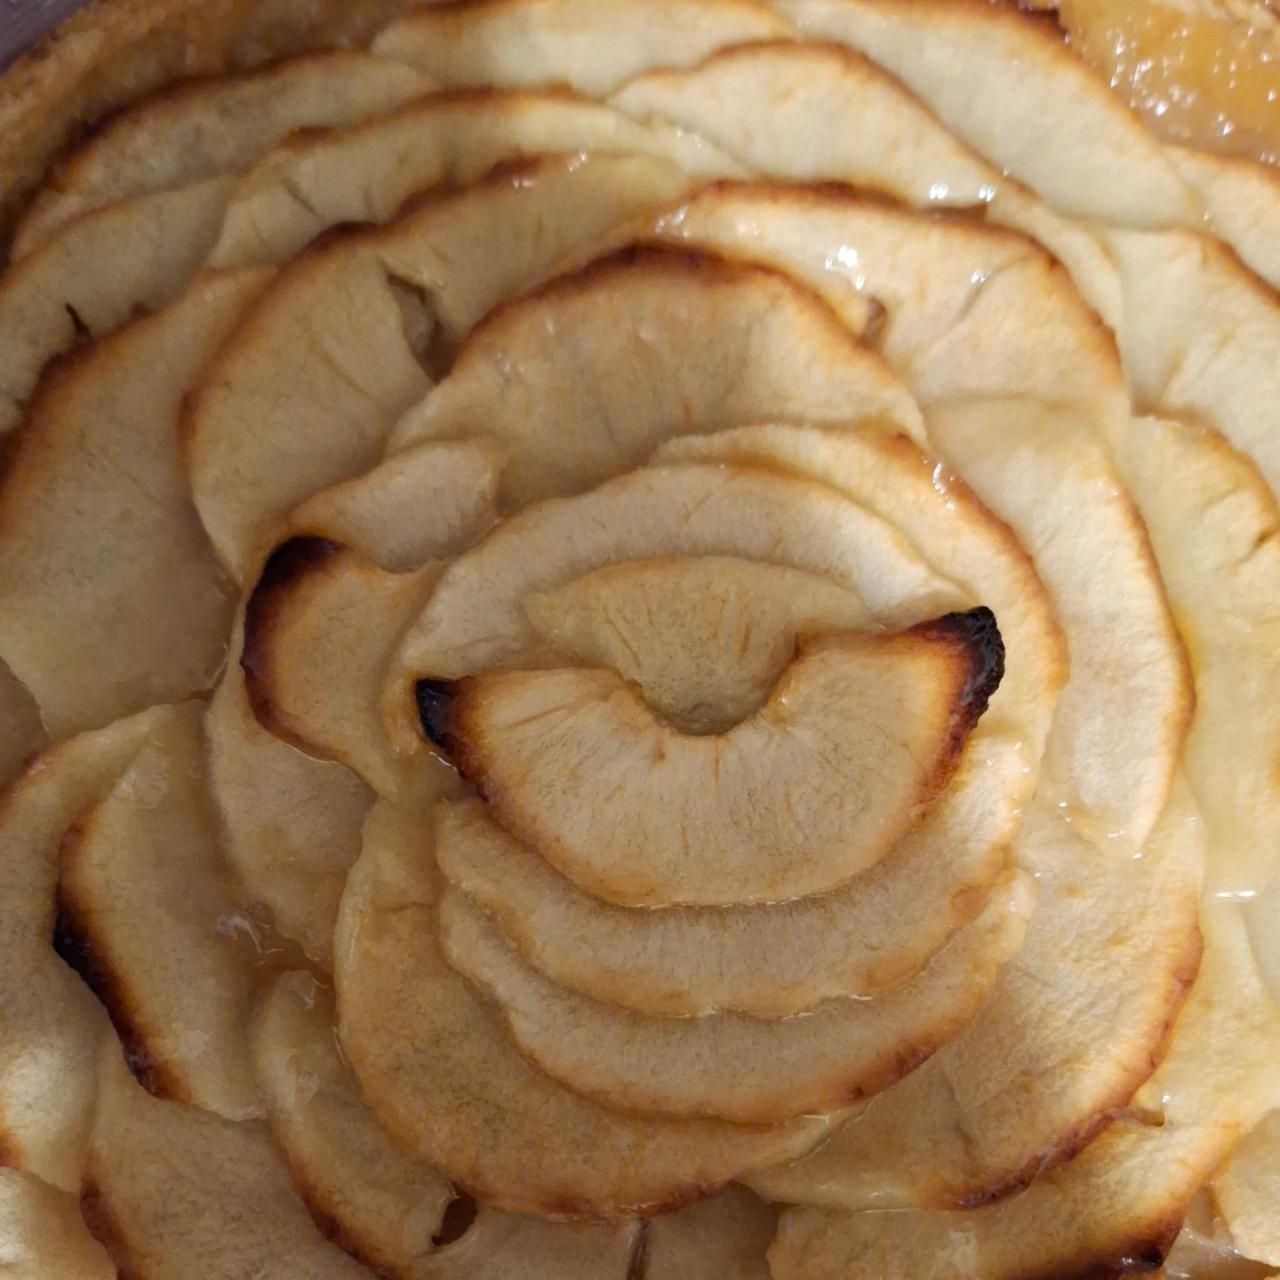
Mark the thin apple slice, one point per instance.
(588, 45)
(1212, 522)
(341, 341)
(367, 173)
(477, 619)
(1124, 715)
(422, 504)
(291, 824)
(320, 630)
(110, 596)
(1123, 1198)
(44, 1236)
(1247, 1189)
(770, 961)
(174, 1190)
(946, 288)
(142, 894)
(1208, 344)
(726, 1065)
(22, 733)
(46, 1013)
(1018, 94)
(726, 1235)
(213, 127)
(97, 274)
(798, 111)
(385, 1205)
(649, 345)
(705, 638)
(860, 734)
(442, 1076)
(508, 1246)
(1242, 199)
(1075, 1023)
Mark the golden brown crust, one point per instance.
(115, 51)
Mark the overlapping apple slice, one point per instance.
(419, 505)
(1021, 96)
(442, 1075)
(383, 1204)
(46, 1013)
(171, 1187)
(590, 46)
(1072, 1029)
(1120, 1202)
(290, 822)
(213, 127)
(1246, 1188)
(320, 629)
(113, 597)
(352, 324)
(476, 619)
(798, 111)
(649, 344)
(704, 637)
(859, 734)
(96, 275)
(1016, 93)
(148, 851)
(44, 1234)
(367, 173)
(731, 1066)
(772, 960)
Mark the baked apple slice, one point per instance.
(352, 334)
(705, 638)
(589, 45)
(213, 127)
(750, 1070)
(856, 739)
(142, 893)
(443, 1076)
(770, 960)
(386, 1205)
(320, 629)
(477, 618)
(797, 111)
(45, 1008)
(169, 1186)
(649, 344)
(98, 524)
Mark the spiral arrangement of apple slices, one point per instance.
(641, 640)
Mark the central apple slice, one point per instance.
(857, 737)
(704, 637)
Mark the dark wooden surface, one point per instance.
(23, 22)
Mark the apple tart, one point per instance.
(639, 640)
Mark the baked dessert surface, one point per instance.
(634, 640)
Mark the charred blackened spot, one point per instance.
(979, 634)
